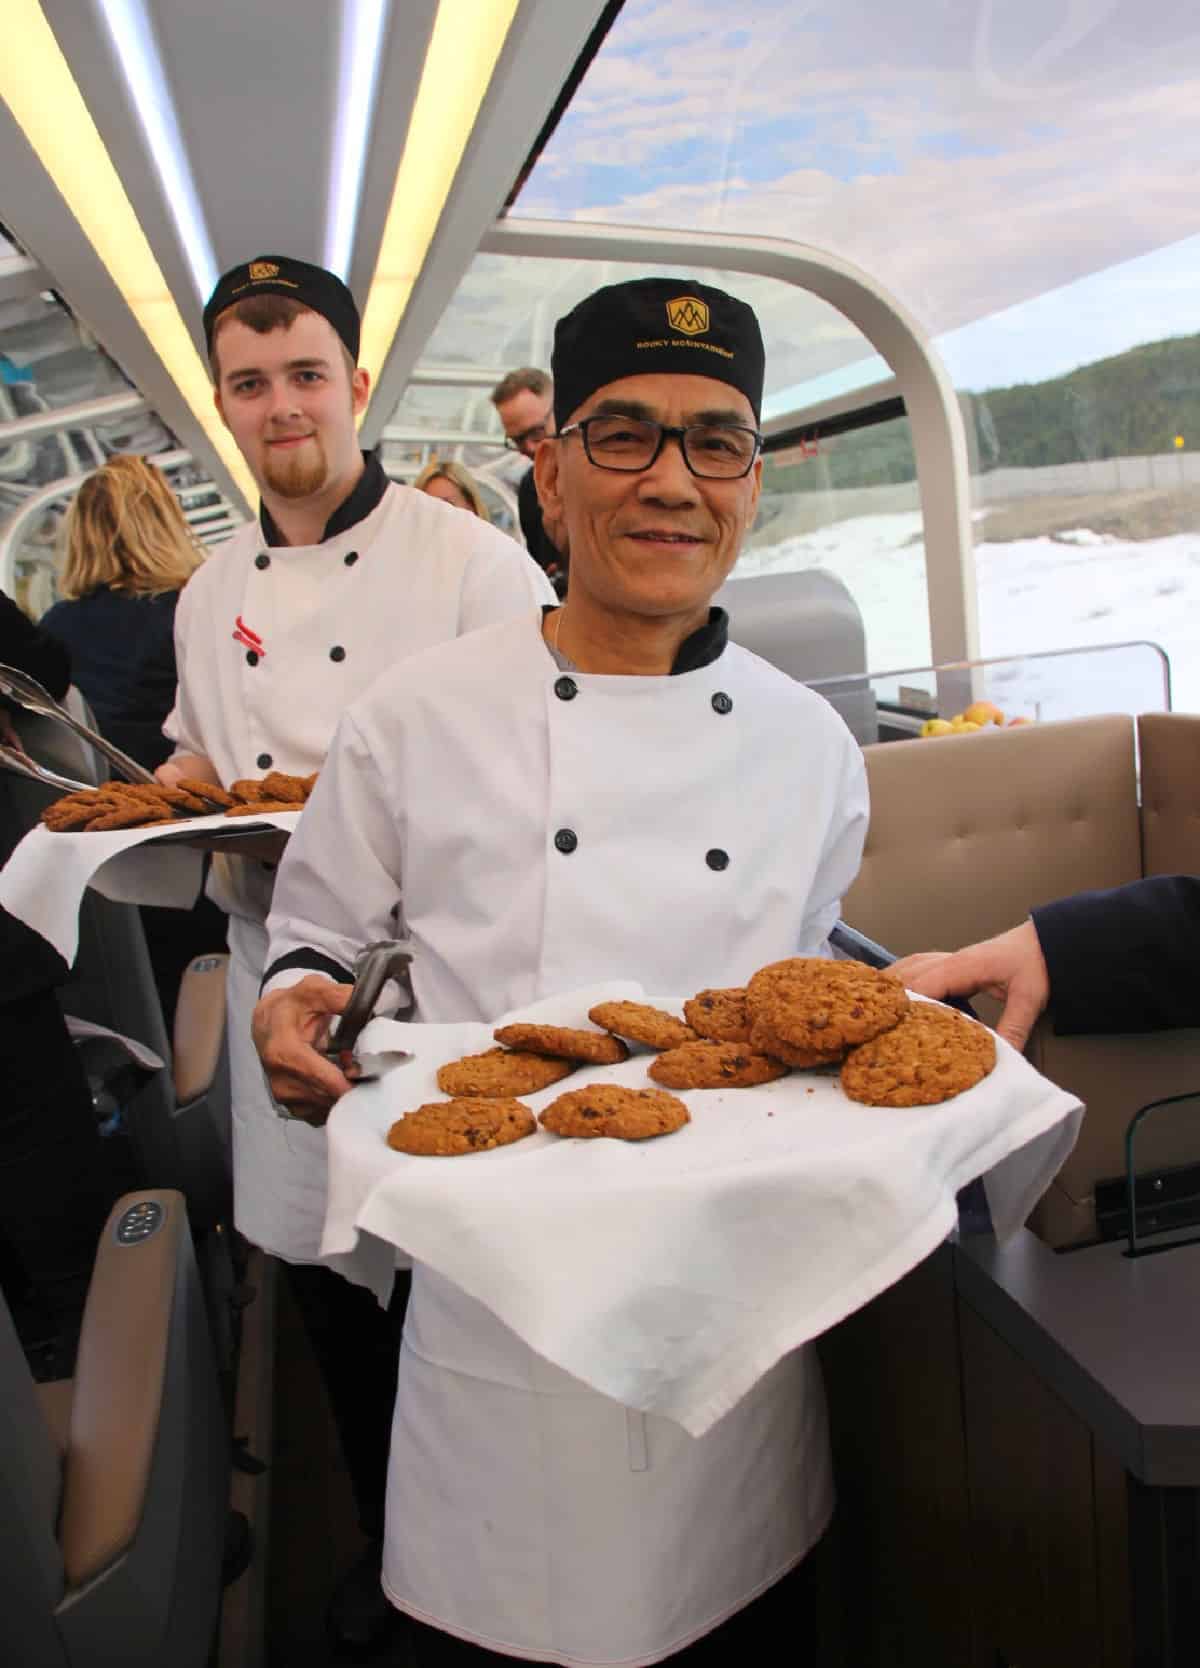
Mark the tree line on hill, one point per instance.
(1131, 405)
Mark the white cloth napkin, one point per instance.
(672, 1274)
(44, 880)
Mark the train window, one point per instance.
(848, 504)
(1021, 181)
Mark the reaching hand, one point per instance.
(1010, 967)
(288, 1028)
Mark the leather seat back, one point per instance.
(969, 833)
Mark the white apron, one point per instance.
(530, 1515)
(272, 644)
(678, 831)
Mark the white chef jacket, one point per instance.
(272, 645)
(548, 831)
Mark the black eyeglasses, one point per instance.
(527, 437)
(713, 451)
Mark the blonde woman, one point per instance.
(453, 484)
(128, 553)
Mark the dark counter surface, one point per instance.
(1117, 1338)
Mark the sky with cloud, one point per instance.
(1021, 175)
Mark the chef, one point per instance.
(620, 793)
(343, 574)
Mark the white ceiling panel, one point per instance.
(253, 86)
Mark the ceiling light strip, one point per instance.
(358, 83)
(132, 35)
(468, 37)
(37, 85)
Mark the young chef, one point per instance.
(343, 574)
(620, 793)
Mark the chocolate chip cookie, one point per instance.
(598, 1048)
(448, 1128)
(765, 1041)
(719, 1015)
(642, 1024)
(501, 1072)
(826, 1006)
(931, 1055)
(606, 1109)
(714, 1065)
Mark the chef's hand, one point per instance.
(1010, 967)
(194, 766)
(288, 1028)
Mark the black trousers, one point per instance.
(780, 1626)
(58, 1177)
(357, 1348)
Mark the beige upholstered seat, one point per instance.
(968, 833)
(113, 1490)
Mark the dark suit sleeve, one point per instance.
(1125, 960)
(30, 649)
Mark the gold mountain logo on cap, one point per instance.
(689, 314)
(262, 269)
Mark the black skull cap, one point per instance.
(315, 288)
(651, 325)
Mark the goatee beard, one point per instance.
(297, 474)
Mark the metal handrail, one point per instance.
(952, 666)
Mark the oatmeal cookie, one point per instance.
(714, 1065)
(258, 808)
(930, 1056)
(216, 797)
(501, 1072)
(642, 1024)
(67, 815)
(765, 1041)
(810, 1003)
(134, 815)
(246, 790)
(597, 1048)
(719, 1015)
(181, 799)
(447, 1128)
(277, 784)
(606, 1109)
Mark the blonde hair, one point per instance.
(466, 484)
(124, 529)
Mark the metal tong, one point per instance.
(29, 693)
(23, 765)
(373, 967)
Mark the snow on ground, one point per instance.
(1076, 591)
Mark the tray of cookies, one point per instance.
(141, 842)
(660, 1211)
(802, 1014)
(116, 805)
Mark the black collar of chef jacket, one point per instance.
(700, 649)
(369, 489)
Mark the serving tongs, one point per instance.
(23, 765)
(29, 693)
(373, 967)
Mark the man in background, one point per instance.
(524, 400)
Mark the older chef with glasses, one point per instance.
(607, 790)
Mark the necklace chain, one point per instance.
(558, 619)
